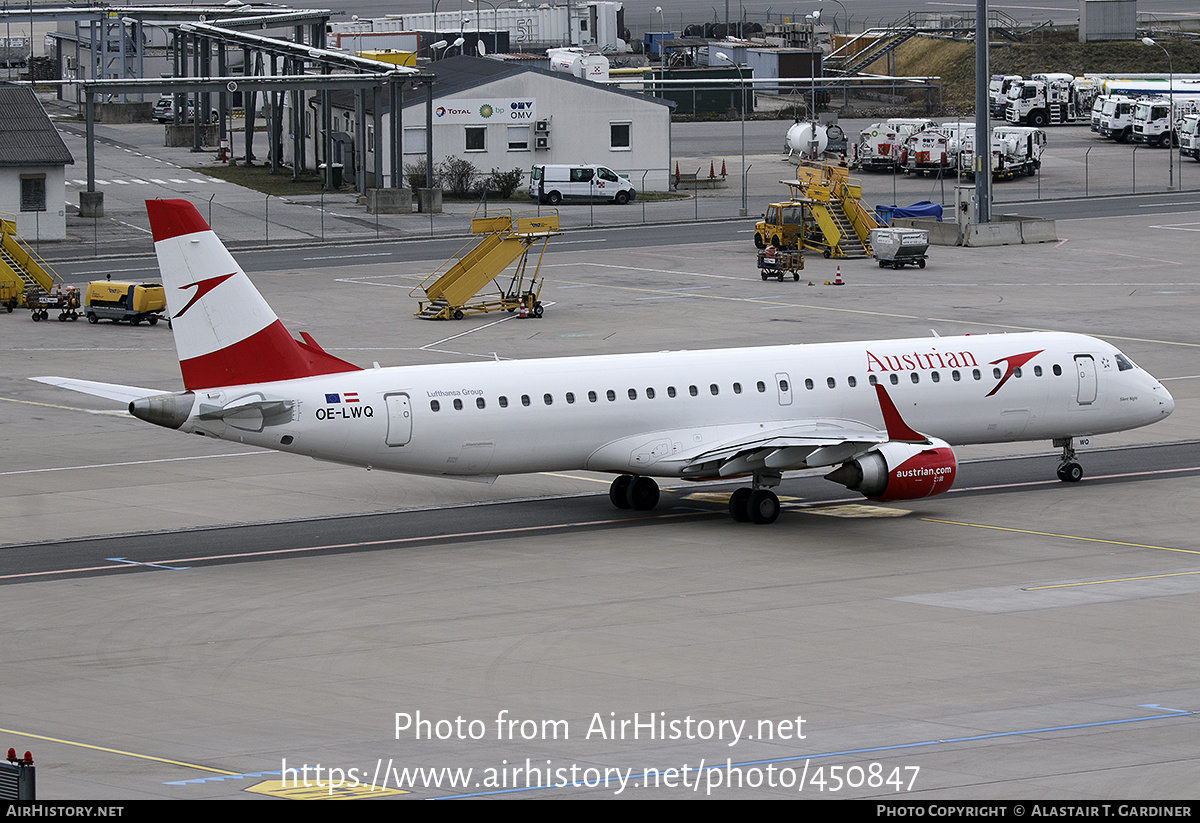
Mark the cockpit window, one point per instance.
(1123, 363)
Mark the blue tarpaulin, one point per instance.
(923, 209)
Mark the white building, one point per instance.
(504, 115)
(33, 160)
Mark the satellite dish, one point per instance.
(482, 49)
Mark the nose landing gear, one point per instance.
(1068, 470)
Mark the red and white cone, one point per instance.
(837, 281)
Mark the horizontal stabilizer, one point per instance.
(109, 391)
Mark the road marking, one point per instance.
(1113, 580)
(394, 541)
(132, 463)
(1061, 536)
(122, 752)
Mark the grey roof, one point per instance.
(27, 137)
(462, 73)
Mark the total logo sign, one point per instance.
(478, 111)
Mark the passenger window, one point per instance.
(872, 379)
(548, 399)
(670, 391)
(831, 383)
(592, 397)
(713, 388)
(570, 397)
(479, 404)
(611, 395)
(851, 382)
(808, 383)
(435, 405)
(916, 378)
(976, 375)
(895, 379)
(1037, 371)
(783, 386)
(956, 375)
(1057, 370)
(935, 377)
(457, 404)
(503, 401)
(633, 394)
(524, 400)
(762, 387)
(693, 391)
(649, 393)
(737, 388)
(1017, 371)
(996, 373)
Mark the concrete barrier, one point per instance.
(943, 233)
(1004, 230)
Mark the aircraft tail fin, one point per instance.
(225, 333)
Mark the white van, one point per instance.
(554, 184)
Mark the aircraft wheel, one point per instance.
(737, 504)
(1070, 473)
(642, 494)
(763, 506)
(618, 492)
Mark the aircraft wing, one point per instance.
(746, 448)
(109, 391)
(728, 450)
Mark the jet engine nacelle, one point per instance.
(899, 471)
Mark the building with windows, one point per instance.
(506, 115)
(33, 159)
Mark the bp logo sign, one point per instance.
(486, 111)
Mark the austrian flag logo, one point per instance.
(344, 397)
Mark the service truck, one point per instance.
(879, 144)
(1016, 151)
(1052, 98)
(1152, 118)
(1189, 136)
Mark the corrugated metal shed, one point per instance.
(27, 137)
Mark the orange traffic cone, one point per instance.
(722, 168)
(837, 281)
(677, 172)
(712, 170)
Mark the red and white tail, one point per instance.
(225, 333)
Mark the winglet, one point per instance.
(897, 429)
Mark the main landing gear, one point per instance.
(630, 492)
(756, 504)
(1068, 470)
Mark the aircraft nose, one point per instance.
(1165, 401)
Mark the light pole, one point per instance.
(1149, 41)
(742, 84)
(662, 57)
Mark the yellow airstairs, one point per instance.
(21, 270)
(843, 220)
(452, 292)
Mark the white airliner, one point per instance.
(882, 414)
